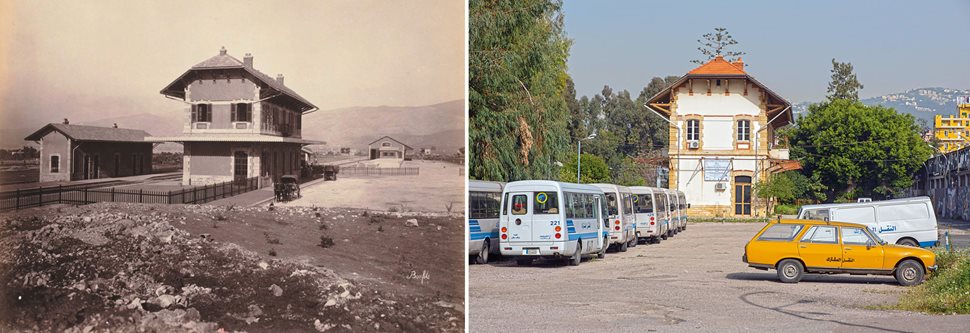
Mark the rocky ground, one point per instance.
(161, 268)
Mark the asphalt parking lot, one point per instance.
(694, 282)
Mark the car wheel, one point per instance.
(624, 246)
(790, 271)
(483, 255)
(602, 253)
(907, 242)
(523, 261)
(578, 257)
(909, 273)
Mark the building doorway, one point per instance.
(240, 167)
(92, 166)
(742, 195)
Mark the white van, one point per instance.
(619, 206)
(673, 213)
(909, 221)
(484, 203)
(683, 209)
(547, 219)
(649, 227)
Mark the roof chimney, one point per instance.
(66, 122)
(222, 51)
(248, 60)
(739, 63)
(115, 125)
(279, 78)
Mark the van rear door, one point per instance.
(547, 216)
(520, 217)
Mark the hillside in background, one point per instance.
(441, 125)
(923, 103)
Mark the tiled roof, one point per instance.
(719, 66)
(225, 61)
(90, 133)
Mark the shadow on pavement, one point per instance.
(802, 315)
(810, 278)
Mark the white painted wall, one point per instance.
(690, 179)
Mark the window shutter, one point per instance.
(195, 113)
(233, 112)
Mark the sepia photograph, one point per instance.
(232, 166)
(712, 166)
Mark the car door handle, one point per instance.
(803, 246)
(848, 248)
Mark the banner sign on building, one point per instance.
(716, 170)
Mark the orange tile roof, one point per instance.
(718, 66)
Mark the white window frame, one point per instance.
(50, 164)
(696, 128)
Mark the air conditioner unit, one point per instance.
(693, 144)
(720, 187)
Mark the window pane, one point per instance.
(570, 203)
(809, 233)
(643, 203)
(627, 203)
(611, 204)
(505, 211)
(825, 235)
(520, 204)
(546, 203)
(854, 236)
(781, 232)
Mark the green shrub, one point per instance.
(945, 291)
(785, 209)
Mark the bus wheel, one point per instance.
(633, 242)
(483, 255)
(602, 253)
(578, 256)
(624, 246)
(523, 261)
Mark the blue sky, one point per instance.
(893, 45)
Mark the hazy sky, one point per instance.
(893, 45)
(98, 59)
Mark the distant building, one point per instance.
(388, 148)
(426, 151)
(723, 140)
(74, 152)
(239, 122)
(954, 132)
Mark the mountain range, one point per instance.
(922, 103)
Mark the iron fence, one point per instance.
(85, 194)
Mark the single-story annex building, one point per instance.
(74, 152)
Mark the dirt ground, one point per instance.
(112, 267)
(694, 282)
(436, 187)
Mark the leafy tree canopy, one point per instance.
(518, 114)
(858, 150)
(594, 169)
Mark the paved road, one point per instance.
(694, 282)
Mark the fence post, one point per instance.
(40, 196)
(60, 189)
(85, 195)
(112, 194)
(140, 197)
(169, 197)
(18, 199)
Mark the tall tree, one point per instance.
(517, 113)
(844, 84)
(716, 44)
(857, 150)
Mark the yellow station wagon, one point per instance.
(796, 247)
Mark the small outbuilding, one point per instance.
(388, 148)
(74, 152)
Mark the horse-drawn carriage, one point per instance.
(330, 172)
(287, 188)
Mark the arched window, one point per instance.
(386, 144)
